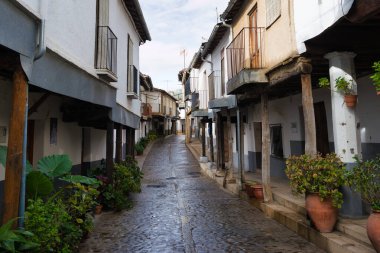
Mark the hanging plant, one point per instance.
(376, 76)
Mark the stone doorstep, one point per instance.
(335, 242)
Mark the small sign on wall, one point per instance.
(3, 134)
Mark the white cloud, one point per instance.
(175, 25)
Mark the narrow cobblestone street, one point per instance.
(180, 210)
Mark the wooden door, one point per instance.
(257, 131)
(323, 146)
(253, 39)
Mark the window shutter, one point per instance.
(273, 11)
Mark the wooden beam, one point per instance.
(308, 112)
(15, 142)
(289, 69)
(109, 149)
(363, 10)
(211, 140)
(37, 104)
(265, 163)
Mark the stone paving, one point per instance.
(180, 210)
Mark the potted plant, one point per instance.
(376, 76)
(254, 190)
(319, 178)
(139, 148)
(365, 179)
(344, 86)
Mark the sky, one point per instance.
(175, 25)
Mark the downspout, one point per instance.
(229, 26)
(40, 51)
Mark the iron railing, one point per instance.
(214, 85)
(203, 99)
(133, 75)
(106, 57)
(246, 51)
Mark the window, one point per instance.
(276, 140)
(132, 74)
(273, 8)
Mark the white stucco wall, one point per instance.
(216, 59)
(122, 26)
(312, 17)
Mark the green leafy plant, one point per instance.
(38, 185)
(344, 86)
(365, 179)
(341, 84)
(51, 226)
(126, 179)
(55, 165)
(152, 135)
(139, 148)
(317, 174)
(324, 82)
(376, 75)
(17, 240)
(144, 141)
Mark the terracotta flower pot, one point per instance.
(258, 191)
(350, 100)
(249, 190)
(322, 213)
(98, 209)
(373, 229)
(378, 92)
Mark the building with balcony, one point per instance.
(164, 111)
(271, 106)
(80, 84)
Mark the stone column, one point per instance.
(346, 137)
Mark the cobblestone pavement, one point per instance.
(180, 210)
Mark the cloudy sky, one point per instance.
(175, 25)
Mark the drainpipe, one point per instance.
(40, 51)
(229, 26)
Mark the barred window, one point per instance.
(273, 11)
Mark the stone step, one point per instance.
(335, 242)
(295, 203)
(355, 231)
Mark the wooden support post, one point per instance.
(133, 143)
(241, 150)
(265, 149)
(218, 163)
(109, 149)
(229, 176)
(211, 140)
(119, 143)
(203, 124)
(222, 149)
(15, 141)
(308, 112)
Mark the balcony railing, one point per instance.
(106, 56)
(214, 85)
(194, 101)
(203, 99)
(146, 109)
(132, 85)
(246, 51)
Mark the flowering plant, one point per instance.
(317, 174)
